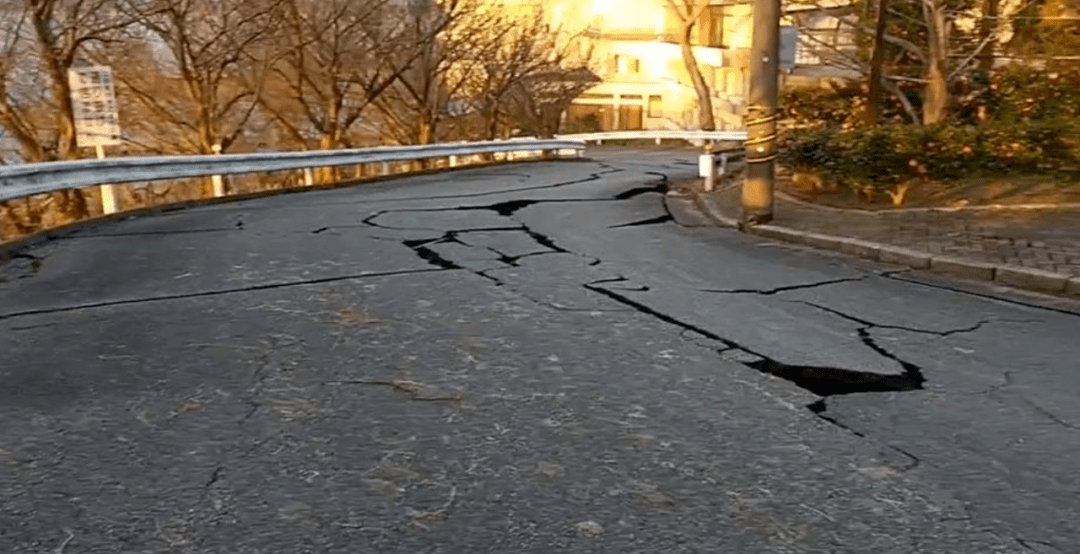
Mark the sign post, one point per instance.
(97, 121)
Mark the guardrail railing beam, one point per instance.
(17, 181)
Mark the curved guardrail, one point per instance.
(659, 134)
(18, 181)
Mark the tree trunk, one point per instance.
(493, 123)
(66, 147)
(986, 33)
(877, 61)
(704, 94)
(206, 129)
(425, 130)
(936, 91)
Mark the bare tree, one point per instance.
(688, 13)
(337, 57)
(13, 55)
(538, 102)
(435, 85)
(920, 47)
(49, 36)
(526, 51)
(216, 55)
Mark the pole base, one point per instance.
(749, 219)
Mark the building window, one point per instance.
(626, 65)
(656, 106)
(711, 27)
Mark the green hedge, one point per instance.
(886, 155)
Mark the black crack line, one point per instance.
(778, 290)
(514, 261)
(822, 381)
(984, 296)
(1027, 544)
(1048, 414)
(596, 176)
(591, 178)
(637, 191)
(546, 241)
(660, 188)
(666, 218)
(214, 477)
(432, 257)
(819, 409)
(235, 229)
(505, 209)
(500, 283)
(872, 325)
(621, 279)
(422, 249)
(222, 292)
(34, 327)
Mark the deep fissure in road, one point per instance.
(821, 381)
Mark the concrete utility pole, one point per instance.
(762, 115)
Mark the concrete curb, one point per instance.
(1008, 275)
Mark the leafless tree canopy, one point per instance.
(219, 75)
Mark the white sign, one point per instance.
(789, 42)
(93, 97)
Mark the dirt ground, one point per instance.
(974, 191)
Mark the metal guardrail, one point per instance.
(659, 134)
(17, 181)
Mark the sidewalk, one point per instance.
(1034, 248)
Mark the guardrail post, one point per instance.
(216, 180)
(707, 169)
(108, 194)
(386, 168)
(309, 177)
(453, 161)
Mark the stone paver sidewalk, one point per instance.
(1046, 239)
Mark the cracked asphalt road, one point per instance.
(533, 358)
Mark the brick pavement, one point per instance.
(1046, 238)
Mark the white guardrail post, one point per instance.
(216, 180)
(108, 194)
(18, 181)
(715, 165)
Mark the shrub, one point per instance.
(882, 157)
(1027, 94)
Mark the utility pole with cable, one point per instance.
(762, 115)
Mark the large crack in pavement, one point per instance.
(823, 382)
(789, 288)
(218, 292)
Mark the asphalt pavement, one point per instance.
(532, 358)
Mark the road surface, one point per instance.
(531, 358)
